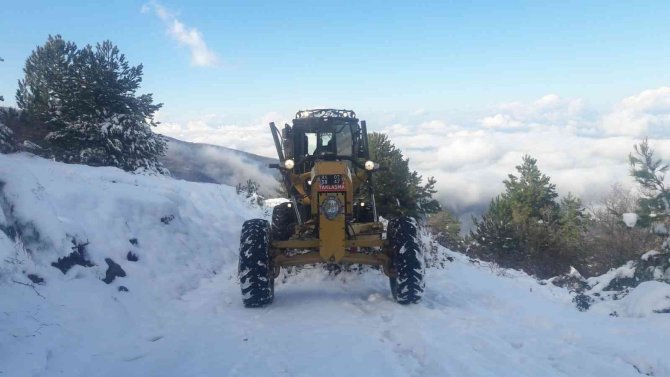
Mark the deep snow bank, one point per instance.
(177, 229)
(182, 313)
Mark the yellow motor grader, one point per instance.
(330, 216)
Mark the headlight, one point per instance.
(370, 166)
(289, 164)
(331, 207)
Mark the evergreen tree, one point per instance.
(649, 172)
(49, 82)
(531, 194)
(399, 190)
(446, 229)
(572, 231)
(522, 227)
(573, 220)
(1, 97)
(87, 97)
(7, 143)
(6, 135)
(496, 236)
(426, 202)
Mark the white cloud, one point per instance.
(644, 114)
(565, 136)
(470, 161)
(201, 55)
(501, 121)
(549, 110)
(212, 129)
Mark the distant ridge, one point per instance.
(197, 162)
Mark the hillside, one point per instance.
(177, 311)
(195, 162)
(207, 163)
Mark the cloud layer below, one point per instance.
(584, 151)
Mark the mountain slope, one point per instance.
(207, 163)
(182, 314)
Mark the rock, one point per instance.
(113, 271)
(77, 257)
(573, 281)
(132, 257)
(167, 219)
(123, 288)
(35, 279)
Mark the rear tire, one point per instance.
(283, 221)
(255, 269)
(408, 285)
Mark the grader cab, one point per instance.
(330, 215)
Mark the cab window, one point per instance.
(311, 142)
(343, 141)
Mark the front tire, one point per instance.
(255, 269)
(283, 221)
(408, 261)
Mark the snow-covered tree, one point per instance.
(1, 97)
(87, 97)
(6, 135)
(49, 81)
(654, 205)
(7, 144)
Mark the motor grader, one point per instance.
(330, 216)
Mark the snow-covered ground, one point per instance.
(182, 314)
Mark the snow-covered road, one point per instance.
(183, 316)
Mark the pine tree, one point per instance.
(87, 97)
(654, 205)
(426, 202)
(573, 226)
(496, 236)
(399, 190)
(48, 85)
(7, 144)
(531, 193)
(649, 173)
(573, 219)
(522, 227)
(1, 97)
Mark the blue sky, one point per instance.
(463, 88)
(374, 56)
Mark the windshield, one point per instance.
(322, 143)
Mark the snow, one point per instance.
(574, 273)
(599, 283)
(649, 254)
(183, 315)
(647, 298)
(630, 219)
